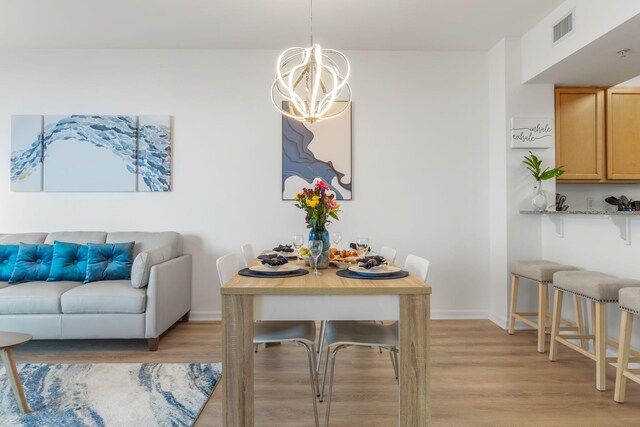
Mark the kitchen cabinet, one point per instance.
(623, 133)
(580, 133)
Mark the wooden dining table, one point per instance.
(325, 297)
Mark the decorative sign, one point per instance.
(531, 133)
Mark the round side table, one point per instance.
(9, 340)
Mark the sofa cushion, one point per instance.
(34, 297)
(8, 255)
(79, 237)
(144, 261)
(69, 262)
(107, 296)
(149, 240)
(109, 261)
(33, 263)
(17, 238)
(4, 285)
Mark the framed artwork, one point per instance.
(314, 151)
(91, 153)
(531, 132)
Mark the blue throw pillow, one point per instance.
(8, 255)
(32, 263)
(69, 262)
(109, 261)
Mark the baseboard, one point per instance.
(501, 321)
(201, 316)
(458, 314)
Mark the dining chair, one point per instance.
(340, 334)
(298, 332)
(247, 253)
(388, 253)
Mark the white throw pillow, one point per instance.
(142, 264)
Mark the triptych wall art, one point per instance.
(90, 153)
(320, 150)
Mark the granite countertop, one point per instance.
(622, 213)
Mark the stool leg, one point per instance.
(601, 346)
(555, 324)
(514, 303)
(626, 322)
(543, 301)
(577, 303)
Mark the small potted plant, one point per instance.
(534, 165)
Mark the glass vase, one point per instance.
(321, 233)
(539, 200)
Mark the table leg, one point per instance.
(415, 361)
(14, 379)
(237, 360)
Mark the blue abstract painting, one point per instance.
(314, 151)
(91, 153)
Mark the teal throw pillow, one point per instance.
(69, 262)
(32, 263)
(109, 261)
(8, 255)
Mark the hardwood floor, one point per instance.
(481, 377)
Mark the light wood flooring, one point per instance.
(481, 377)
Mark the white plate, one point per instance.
(384, 272)
(285, 268)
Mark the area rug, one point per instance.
(110, 394)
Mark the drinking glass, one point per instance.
(315, 247)
(337, 237)
(362, 246)
(298, 241)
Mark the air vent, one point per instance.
(562, 28)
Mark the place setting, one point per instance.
(274, 265)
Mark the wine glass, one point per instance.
(362, 246)
(298, 241)
(315, 247)
(337, 237)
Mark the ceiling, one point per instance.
(267, 24)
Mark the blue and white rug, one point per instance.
(110, 394)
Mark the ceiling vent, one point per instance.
(563, 28)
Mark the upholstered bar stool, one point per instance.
(542, 272)
(599, 289)
(629, 300)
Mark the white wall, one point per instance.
(593, 18)
(420, 147)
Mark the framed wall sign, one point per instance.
(531, 132)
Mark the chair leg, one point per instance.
(394, 362)
(514, 302)
(323, 328)
(626, 323)
(577, 304)
(324, 374)
(333, 365)
(601, 346)
(312, 378)
(555, 324)
(592, 329)
(395, 358)
(543, 301)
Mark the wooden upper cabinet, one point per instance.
(580, 133)
(623, 133)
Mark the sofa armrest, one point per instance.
(168, 295)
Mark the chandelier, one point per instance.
(310, 80)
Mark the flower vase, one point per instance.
(321, 233)
(538, 200)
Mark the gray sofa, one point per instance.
(111, 309)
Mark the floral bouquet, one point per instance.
(319, 203)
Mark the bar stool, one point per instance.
(599, 289)
(542, 272)
(630, 305)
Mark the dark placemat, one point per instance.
(248, 273)
(348, 274)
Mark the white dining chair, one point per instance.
(388, 253)
(344, 333)
(297, 332)
(247, 253)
